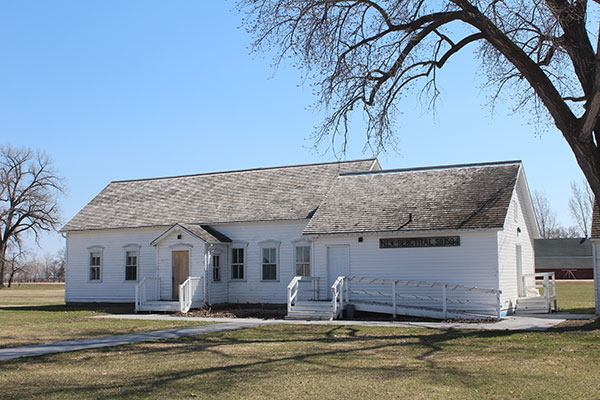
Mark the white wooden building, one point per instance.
(448, 241)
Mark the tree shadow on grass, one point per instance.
(328, 349)
(310, 348)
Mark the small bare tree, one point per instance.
(29, 193)
(14, 264)
(546, 218)
(581, 205)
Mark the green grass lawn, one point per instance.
(575, 296)
(36, 313)
(321, 362)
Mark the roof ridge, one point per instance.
(435, 167)
(244, 170)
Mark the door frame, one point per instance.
(346, 246)
(174, 288)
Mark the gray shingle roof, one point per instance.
(472, 196)
(282, 193)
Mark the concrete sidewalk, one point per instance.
(109, 341)
(537, 322)
(516, 323)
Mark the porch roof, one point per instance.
(202, 232)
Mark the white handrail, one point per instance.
(191, 288)
(337, 298)
(293, 289)
(292, 292)
(442, 299)
(548, 284)
(143, 291)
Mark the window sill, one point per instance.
(238, 280)
(95, 281)
(269, 280)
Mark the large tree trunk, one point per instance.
(587, 156)
(2, 263)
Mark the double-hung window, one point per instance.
(95, 265)
(237, 263)
(302, 261)
(216, 263)
(131, 265)
(269, 264)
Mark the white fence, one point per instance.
(420, 298)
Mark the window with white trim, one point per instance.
(95, 265)
(269, 264)
(302, 261)
(131, 265)
(237, 263)
(216, 264)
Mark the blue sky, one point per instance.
(119, 90)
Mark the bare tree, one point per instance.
(54, 267)
(563, 233)
(29, 192)
(545, 216)
(14, 264)
(366, 54)
(581, 205)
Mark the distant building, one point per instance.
(567, 258)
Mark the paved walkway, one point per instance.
(537, 322)
(516, 322)
(108, 341)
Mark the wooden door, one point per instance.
(181, 270)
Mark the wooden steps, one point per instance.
(307, 310)
(535, 304)
(165, 306)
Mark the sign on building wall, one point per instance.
(441, 241)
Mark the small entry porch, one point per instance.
(190, 294)
(538, 295)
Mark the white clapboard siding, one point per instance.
(252, 289)
(112, 287)
(473, 263)
(508, 240)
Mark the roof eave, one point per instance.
(416, 231)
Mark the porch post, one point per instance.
(394, 299)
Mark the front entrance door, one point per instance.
(181, 270)
(338, 264)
